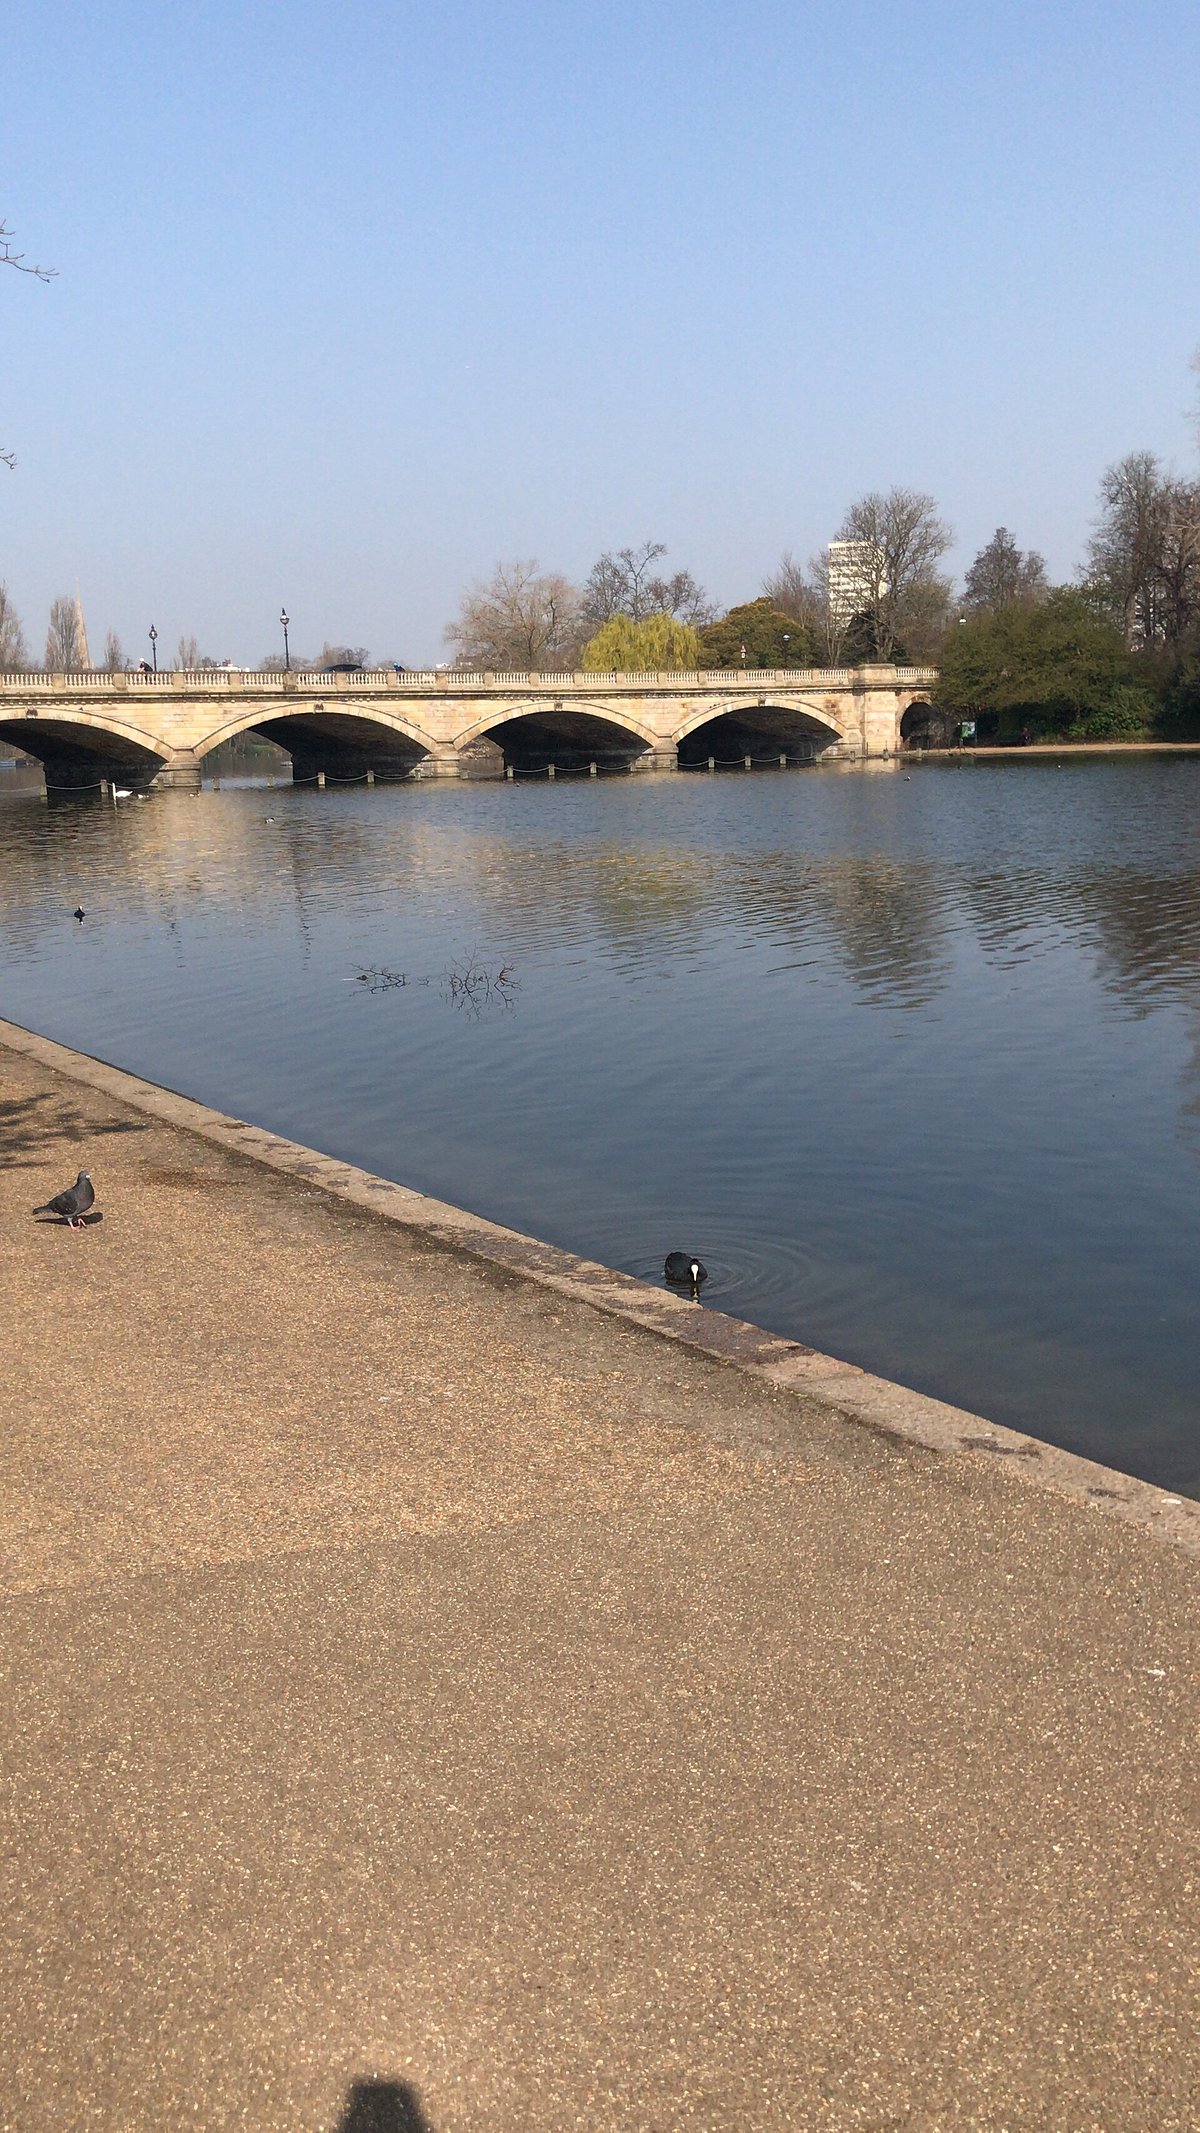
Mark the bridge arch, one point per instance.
(578, 730)
(77, 749)
(344, 737)
(924, 724)
(743, 725)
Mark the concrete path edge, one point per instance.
(860, 1398)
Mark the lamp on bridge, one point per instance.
(154, 646)
(285, 618)
(787, 638)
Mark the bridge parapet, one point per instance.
(271, 680)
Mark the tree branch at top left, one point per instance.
(9, 258)
(17, 260)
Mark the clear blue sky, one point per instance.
(354, 300)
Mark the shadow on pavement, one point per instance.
(31, 1126)
(383, 2107)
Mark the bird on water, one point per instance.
(79, 913)
(73, 1203)
(685, 1271)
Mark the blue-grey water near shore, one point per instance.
(909, 1056)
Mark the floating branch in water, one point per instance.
(471, 984)
(378, 979)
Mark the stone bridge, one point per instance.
(142, 729)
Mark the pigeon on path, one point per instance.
(73, 1203)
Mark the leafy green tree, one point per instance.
(657, 644)
(1180, 718)
(1056, 667)
(756, 634)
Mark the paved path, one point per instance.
(413, 1677)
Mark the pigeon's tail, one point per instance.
(47, 1208)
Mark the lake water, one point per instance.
(910, 1056)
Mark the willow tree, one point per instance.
(657, 644)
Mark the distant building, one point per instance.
(856, 579)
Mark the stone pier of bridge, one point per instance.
(143, 729)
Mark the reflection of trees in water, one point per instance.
(888, 922)
(885, 921)
(1147, 929)
(1189, 1109)
(1141, 929)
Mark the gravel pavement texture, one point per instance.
(432, 1703)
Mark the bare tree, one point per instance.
(114, 657)
(790, 589)
(803, 593)
(1121, 551)
(1178, 562)
(187, 654)
(1144, 557)
(14, 653)
(905, 600)
(626, 584)
(1003, 575)
(523, 620)
(66, 638)
(9, 258)
(342, 655)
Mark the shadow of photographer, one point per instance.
(383, 2107)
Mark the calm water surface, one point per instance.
(912, 1061)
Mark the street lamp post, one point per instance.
(787, 638)
(154, 646)
(285, 618)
